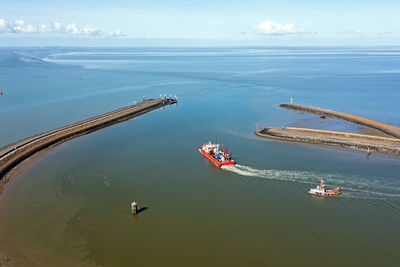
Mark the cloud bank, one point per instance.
(356, 32)
(72, 29)
(274, 28)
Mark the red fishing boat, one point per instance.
(216, 156)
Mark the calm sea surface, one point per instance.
(70, 205)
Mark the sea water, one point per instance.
(70, 205)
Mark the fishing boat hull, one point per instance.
(319, 192)
(216, 162)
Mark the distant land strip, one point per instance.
(11, 155)
(28, 56)
(343, 139)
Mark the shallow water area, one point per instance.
(70, 205)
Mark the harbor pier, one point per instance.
(350, 140)
(385, 128)
(370, 143)
(13, 154)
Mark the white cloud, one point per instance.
(19, 26)
(356, 31)
(57, 25)
(274, 28)
(89, 30)
(3, 25)
(117, 33)
(72, 29)
(42, 28)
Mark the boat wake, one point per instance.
(352, 186)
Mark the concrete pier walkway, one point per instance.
(11, 155)
(350, 140)
(386, 128)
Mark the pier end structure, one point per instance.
(13, 154)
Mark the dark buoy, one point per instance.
(323, 117)
(1, 93)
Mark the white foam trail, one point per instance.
(282, 175)
(353, 186)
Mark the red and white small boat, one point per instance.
(322, 191)
(219, 158)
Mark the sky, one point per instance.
(205, 22)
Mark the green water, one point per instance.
(70, 205)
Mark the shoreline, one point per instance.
(9, 256)
(26, 163)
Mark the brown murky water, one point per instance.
(72, 205)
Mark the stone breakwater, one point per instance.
(343, 139)
(385, 128)
(11, 155)
(349, 140)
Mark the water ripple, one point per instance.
(351, 185)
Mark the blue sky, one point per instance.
(121, 22)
